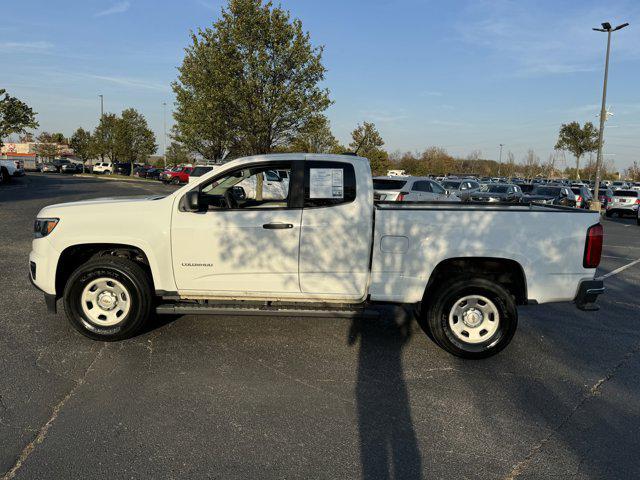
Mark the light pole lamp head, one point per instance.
(606, 26)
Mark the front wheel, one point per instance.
(471, 318)
(175, 181)
(108, 298)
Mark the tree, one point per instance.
(249, 83)
(46, 147)
(15, 116)
(577, 140)
(26, 137)
(633, 172)
(134, 141)
(59, 138)
(82, 144)
(104, 137)
(366, 142)
(531, 164)
(315, 137)
(511, 164)
(177, 154)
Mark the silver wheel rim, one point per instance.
(474, 319)
(105, 302)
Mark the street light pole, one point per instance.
(101, 106)
(606, 27)
(500, 159)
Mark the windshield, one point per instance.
(547, 191)
(625, 193)
(386, 184)
(494, 188)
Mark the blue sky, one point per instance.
(464, 75)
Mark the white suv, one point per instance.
(103, 167)
(624, 202)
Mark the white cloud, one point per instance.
(24, 46)
(119, 7)
(130, 82)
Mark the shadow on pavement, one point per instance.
(388, 443)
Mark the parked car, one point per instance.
(461, 188)
(323, 249)
(498, 192)
(49, 167)
(152, 173)
(583, 195)
(619, 185)
(551, 195)
(625, 202)
(177, 176)
(103, 168)
(123, 168)
(409, 189)
(140, 168)
(71, 167)
(10, 168)
(605, 195)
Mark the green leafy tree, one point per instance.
(577, 140)
(249, 83)
(178, 154)
(27, 137)
(104, 137)
(315, 137)
(134, 141)
(15, 116)
(46, 147)
(82, 144)
(367, 142)
(59, 138)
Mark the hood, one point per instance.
(112, 201)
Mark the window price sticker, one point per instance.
(326, 183)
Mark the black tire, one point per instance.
(608, 214)
(129, 274)
(439, 304)
(175, 181)
(4, 176)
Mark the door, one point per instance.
(421, 191)
(239, 241)
(439, 193)
(337, 226)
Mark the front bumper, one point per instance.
(588, 292)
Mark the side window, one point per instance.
(435, 188)
(421, 186)
(247, 187)
(328, 183)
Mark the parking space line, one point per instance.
(618, 270)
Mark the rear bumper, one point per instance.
(588, 292)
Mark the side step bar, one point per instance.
(263, 310)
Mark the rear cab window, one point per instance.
(328, 183)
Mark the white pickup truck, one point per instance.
(325, 248)
(10, 168)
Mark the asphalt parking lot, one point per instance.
(244, 397)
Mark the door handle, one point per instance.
(277, 226)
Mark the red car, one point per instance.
(176, 175)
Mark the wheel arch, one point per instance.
(75, 255)
(507, 272)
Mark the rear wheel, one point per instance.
(108, 298)
(175, 181)
(471, 318)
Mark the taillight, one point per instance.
(579, 199)
(638, 201)
(593, 246)
(401, 196)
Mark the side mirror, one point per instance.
(193, 200)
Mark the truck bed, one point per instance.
(411, 239)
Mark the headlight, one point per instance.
(44, 226)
